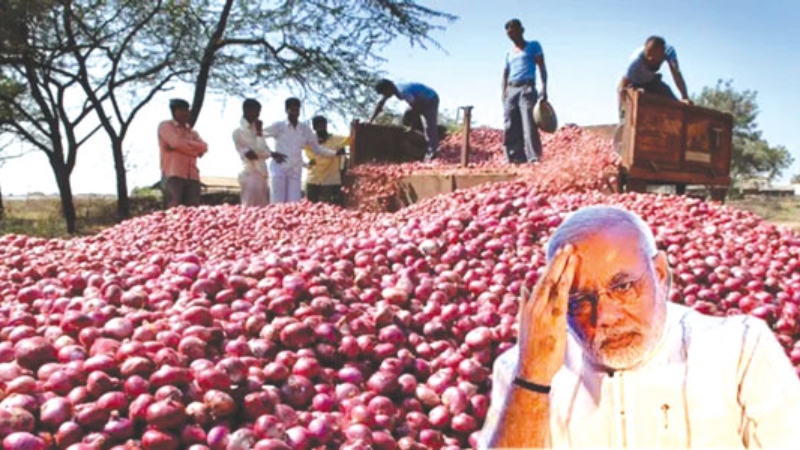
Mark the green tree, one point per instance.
(796, 179)
(752, 156)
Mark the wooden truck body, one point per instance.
(372, 143)
(668, 142)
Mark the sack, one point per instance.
(545, 116)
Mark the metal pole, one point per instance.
(467, 127)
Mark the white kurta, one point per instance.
(286, 177)
(254, 177)
(712, 383)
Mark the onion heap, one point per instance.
(309, 326)
(572, 160)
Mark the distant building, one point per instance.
(220, 184)
(762, 187)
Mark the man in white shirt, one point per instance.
(632, 370)
(254, 151)
(291, 137)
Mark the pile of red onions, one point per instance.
(309, 326)
(572, 160)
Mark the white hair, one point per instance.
(590, 220)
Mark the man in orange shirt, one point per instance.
(180, 147)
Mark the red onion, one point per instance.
(268, 426)
(297, 335)
(235, 368)
(135, 385)
(55, 412)
(114, 400)
(32, 352)
(271, 444)
(307, 367)
(23, 440)
(213, 378)
(193, 435)
(158, 440)
(91, 416)
(137, 365)
(439, 417)
(199, 413)
(464, 423)
(137, 410)
(218, 437)
(166, 415)
(257, 404)
(297, 391)
(99, 383)
(16, 419)
(298, 437)
(219, 403)
(119, 428)
(170, 375)
(275, 372)
(383, 440)
(383, 383)
(68, 433)
(320, 430)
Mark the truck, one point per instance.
(665, 142)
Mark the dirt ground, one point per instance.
(780, 211)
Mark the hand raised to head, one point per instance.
(543, 320)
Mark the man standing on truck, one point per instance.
(522, 143)
(643, 70)
(423, 101)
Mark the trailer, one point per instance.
(665, 142)
(373, 143)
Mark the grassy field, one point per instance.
(778, 211)
(41, 216)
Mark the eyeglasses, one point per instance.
(583, 304)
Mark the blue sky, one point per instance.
(586, 43)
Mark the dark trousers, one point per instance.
(321, 193)
(657, 87)
(522, 143)
(181, 191)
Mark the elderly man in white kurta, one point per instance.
(254, 151)
(291, 137)
(631, 370)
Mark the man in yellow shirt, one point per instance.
(324, 181)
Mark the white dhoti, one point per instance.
(255, 188)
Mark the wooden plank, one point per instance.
(420, 186)
(468, 181)
(678, 177)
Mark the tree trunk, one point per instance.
(123, 202)
(2, 208)
(65, 192)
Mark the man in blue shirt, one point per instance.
(522, 143)
(423, 101)
(643, 70)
